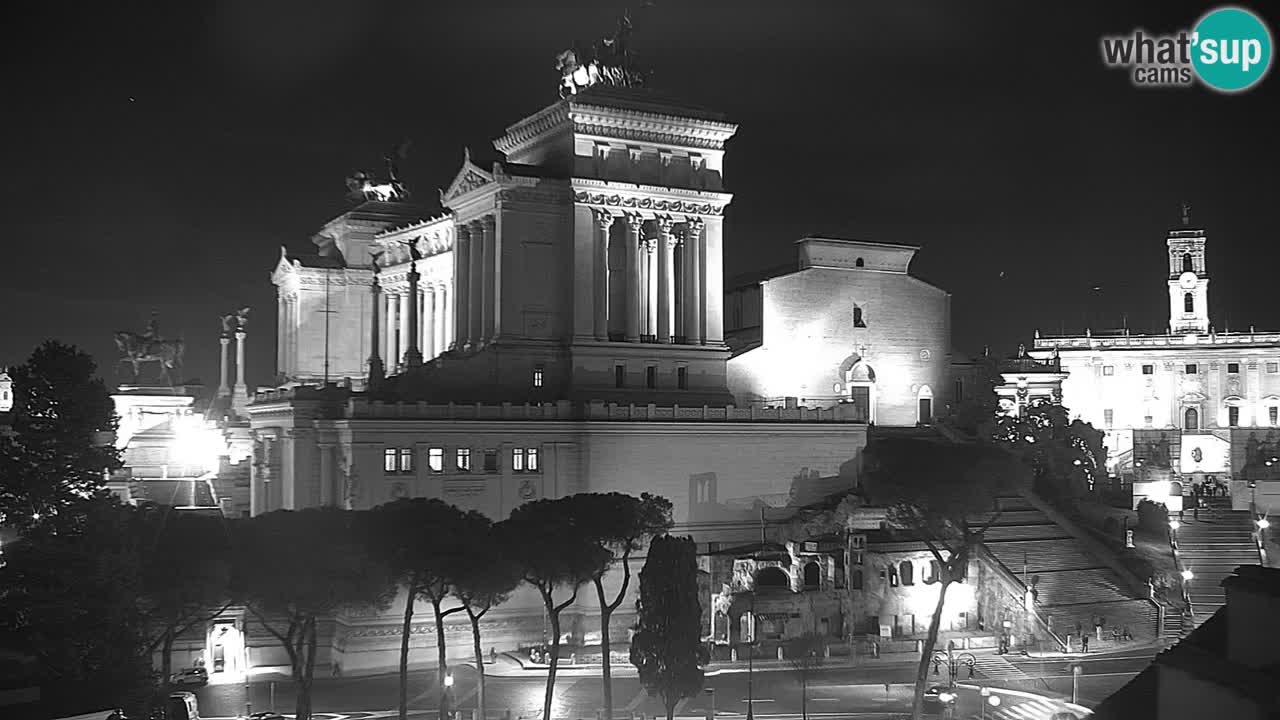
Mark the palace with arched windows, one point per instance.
(1193, 403)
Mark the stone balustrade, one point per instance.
(564, 410)
(1139, 341)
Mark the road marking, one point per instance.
(824, 699)
(635, 701)
(756, 700)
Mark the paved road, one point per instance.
(863, 693)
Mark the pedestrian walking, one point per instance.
(1084, 643)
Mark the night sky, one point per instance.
(158, 155)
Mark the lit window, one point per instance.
(464, 459)
(1148, 420)
(682, 378)
(490, 460)
(1272, 414)
(435, 459)
(1233, 368)
(517, 460)
(1108, 416)
(406, 460)
(619, 376)
(1148, 369)
(389, 460)
(1192, 368)
(858, 320)
(1273, 367)
(531, 459)
(537, 377)
(651, 377)
(1233, 416)
(1108, 369)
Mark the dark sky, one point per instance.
(158, 155)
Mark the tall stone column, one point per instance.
(462, 285)
(282, 338)
(240, 397)
(403, 315)
(475, 299)
(666, 279)
(223, 388)
(713, 279)
(444, 306)
(651, 287)
(429, 343)
(376, 370)
(412, 355)
(633, 305)
(604, 221)
(488, 278)
(393, 307)
(693, 281)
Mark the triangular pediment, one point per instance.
(470, 177)
(284, 266)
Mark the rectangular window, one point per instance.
(1148, 420)
(1233, 368)
(1273, 367)
(463, 459)
(1233, 416)
(1108, 416)
(389, 460)
(1273, 414)
(435, 459)
(537, 377)
(1108, 369)
(682, 378)
(1192, 369)
(406, 460)
(1148, 369)
(517, 459)
(959, 391)
(531, 459)
(651, 377)
(491, 461)
(619, 376)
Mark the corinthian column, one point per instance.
(475, 314)
(461, 284)
(692, 281)
(404, 315)
(223, 388)
(393, 303)
(634, 223)
(651, 288)
(412, 355)
(604, 221)
(489, 279)
(666, 280)
(429, 344)
(376, 371)
(240, 398)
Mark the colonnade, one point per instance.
(665, 295)
(435, 321)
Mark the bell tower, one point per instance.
(1188, 278)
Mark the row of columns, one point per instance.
(651, 280)
(477, 281)
(435, 329)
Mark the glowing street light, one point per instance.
(1187, 575)
(1263, 523)
(1174, 525)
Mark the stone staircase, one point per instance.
(1072, 586)
(1212, 548)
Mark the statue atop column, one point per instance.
(608, 61)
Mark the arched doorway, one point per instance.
(772, 577)
(812, 576)
(1191, 419)
(924, 405)
(860, 378)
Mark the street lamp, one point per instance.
(1174, 525)
(446, 710)
(988, 698)
(1076, 672)
(1187, 575)
(953, 662)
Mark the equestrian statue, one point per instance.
(148, 346)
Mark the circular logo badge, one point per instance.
(1231, 49)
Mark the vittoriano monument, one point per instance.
(138, 349)
(608, 61)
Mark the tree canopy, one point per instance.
(1066, 456)
(667, 649)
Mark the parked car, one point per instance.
(937, 699)
(190, 676)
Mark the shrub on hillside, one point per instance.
(1153, 518)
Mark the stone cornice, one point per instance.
(656, 199)
(532, 129)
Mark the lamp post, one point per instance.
(1076, 672)
(445, 710)
(988, 698)
(954, 662)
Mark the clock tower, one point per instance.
(1188, 279)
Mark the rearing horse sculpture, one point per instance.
(136, 349)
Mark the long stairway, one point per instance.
(1212, 548)
(1073, 588)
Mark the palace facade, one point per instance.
(1187, 405)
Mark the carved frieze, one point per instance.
(645, 203)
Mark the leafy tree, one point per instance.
(60, 448)
(486, 577)
(805, 654)
(554, 550)
(943, 494)
(421, 540)
(178, 592)
(619, 523)
(68, 597)
(296, 567)
(1066, 457)
(667, 647)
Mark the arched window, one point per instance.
(771, 577)
(812, 576)
(934, 573)
(893, 576)
(907, 572)
(858, 263)
(858, 320)
(1188, 302)
(1187, 265)
(1191, 419)
(855, 579)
